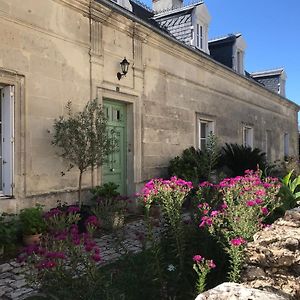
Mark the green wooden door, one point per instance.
(115, 169)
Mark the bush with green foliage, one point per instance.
(238, 158)
(9, 227)
(31, 220)
(289, 194)
(196, 165)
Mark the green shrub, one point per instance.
(8, 231)
(195, 165)
(289, 193)
(32, 221)
(239, 158)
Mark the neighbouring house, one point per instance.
(179, 87)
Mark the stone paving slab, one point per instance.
(13, 285)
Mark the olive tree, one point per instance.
(83, 138)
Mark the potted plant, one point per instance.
(32, 224)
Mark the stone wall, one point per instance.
(52, 52)
(273, 258)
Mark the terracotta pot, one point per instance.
(31, 239)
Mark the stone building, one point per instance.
(174, 93)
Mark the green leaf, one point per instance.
(286, 179)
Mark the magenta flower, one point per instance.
(205, 221)
(214, 213)
(205, 184)
(211, 264)
(237, 241)
(96, 257)
(251, 203)
(264, 210)
(46, 264)
(224, 206)
(260, 193)
(92, 221)
(73, 209)
(198, 258)
(258, 201)
(52, 213)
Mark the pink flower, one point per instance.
(92, 221)
(267, 185)
(198, 258)
(214, 213)
(73, 209)
(211, 264)
(260, 193)
(237, 241)
(224, 206)
(46, 264)
(96, 257)
(258, 201)
(264, 210)
(251, 203)
(205, 184)
(52, 213)
(205, 221)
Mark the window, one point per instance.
(205, 129)
(248, 136)
(286, 144)
(199, 37)
(240, 62)
(6, 140)
(268, 144)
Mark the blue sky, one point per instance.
(271, 29)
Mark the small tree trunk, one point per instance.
(79, 188)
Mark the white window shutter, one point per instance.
(7, 110)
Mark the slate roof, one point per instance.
(270, 79)
(143, 12)
(224, 39)
(221, 49)
(275, 72)
(178, 22)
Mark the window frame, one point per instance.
(210, 129)
(249, 141)
(199, 36)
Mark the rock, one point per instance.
(273, 258)
(5, 267)
(234, 291)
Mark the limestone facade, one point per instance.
(53, 51)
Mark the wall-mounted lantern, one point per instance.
(124, 67)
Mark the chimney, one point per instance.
(161, 5)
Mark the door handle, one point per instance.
(4, 162)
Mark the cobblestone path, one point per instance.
(13, 285)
